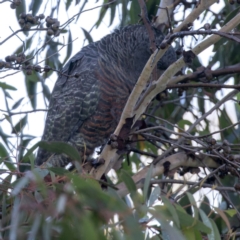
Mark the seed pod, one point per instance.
(163, 45)
(55, 27)
(22, 15)
(22, 55)
(50, 32)
(30, 18)
(27, 26)
(19, 60)
(13, 5)
(2, 64)
(213, 141)
(54, 20)
(13, 58)
(47, 68)
(48, 25)
(37, 68)
(76, 75)
(17, 2)
(50, 20)
(35, 21)
(207, 26)
(26, 63)
(179, 52)
(41, 16)
(8, 59)
(237, 186)
(7, 65)
(29, 72)
(21, 21)
(57, 33)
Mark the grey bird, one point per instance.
(90, 94)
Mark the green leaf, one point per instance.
(126, 178)
(6, 183)
(87, 35)
(20, 125)
(134, 12)
(231, 212)
(147, 183)
(15, 217)
(34, 6)
(42, 173)
(58, 171)
(69, 47)
(102, 14)
(168, 231)
(194, 205)
(215, 230)
(154, 195)
(17, 104)
(7, 94)
(184, 122)
(60, 147)
(3, 153)
(172, 210)
(68, 3)
(35, 227)
(31, 87)
(21, 9)
(207, 222)
(88, 229)
(46, 91)
(4, 207)
(231, 15)
(187, 221)
(112, 14)
(3, 85)
(20, 184)
(189, 234)
(55, 147)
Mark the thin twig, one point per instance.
(199, 184)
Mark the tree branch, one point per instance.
(180, 159)
(131, 110)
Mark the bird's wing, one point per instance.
(73, 101)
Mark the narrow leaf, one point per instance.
(147, 183)
(172, 210)
(130, 184)
(58, 171)
(87, 35)
(20, 125)
(17, 104)
(20, 184)
(4, 85)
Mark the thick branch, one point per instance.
(166, 8)
(175, 160)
